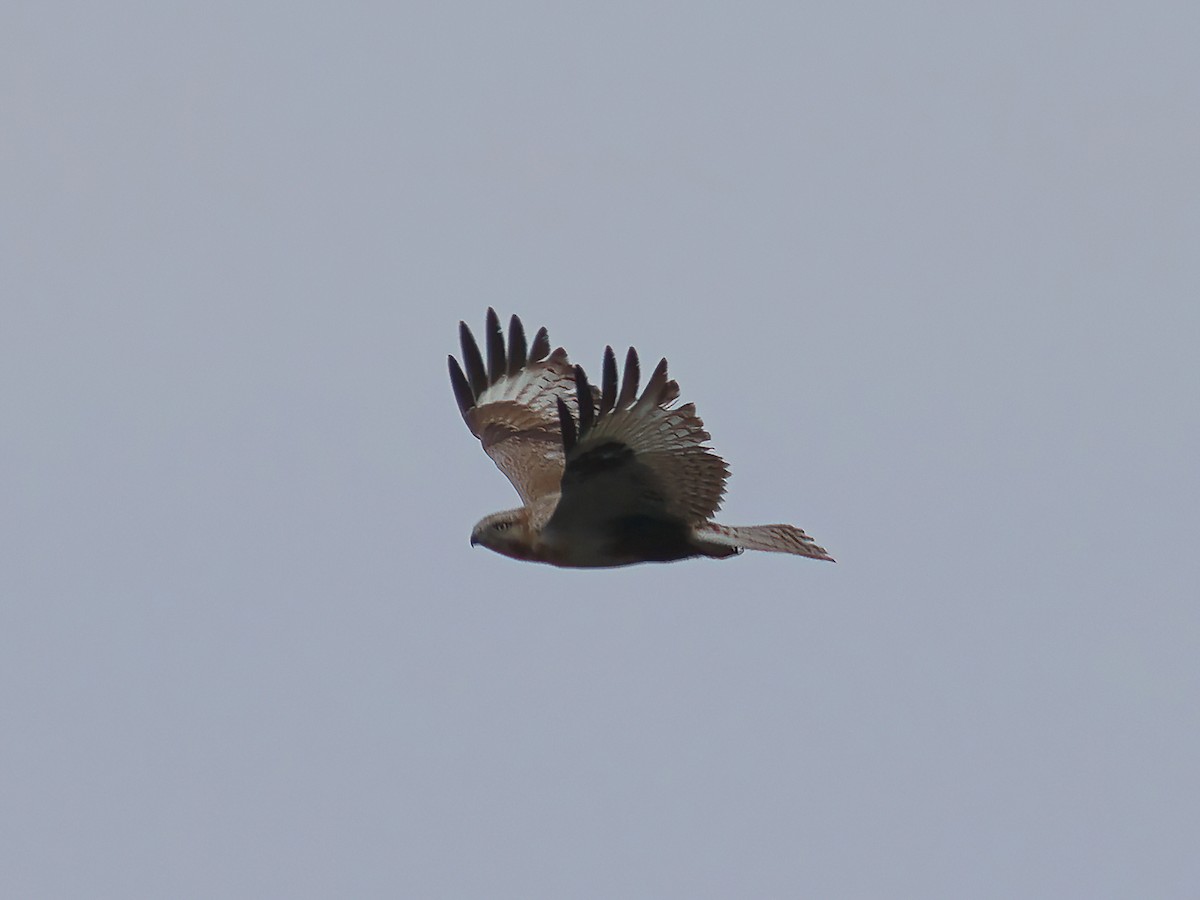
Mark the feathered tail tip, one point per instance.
(771, 538)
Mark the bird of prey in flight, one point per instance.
(607, 476)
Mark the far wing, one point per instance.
(636, 456)
(511, 404)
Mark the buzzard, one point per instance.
(607, 476)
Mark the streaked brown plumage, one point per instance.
(607, 477)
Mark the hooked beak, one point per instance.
(474, 540)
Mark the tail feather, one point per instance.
(725, 540)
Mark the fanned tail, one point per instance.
(725, 540)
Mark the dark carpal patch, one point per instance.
(604, 458)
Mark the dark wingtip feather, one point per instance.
(567, 425)
(657, 385)
(669, 393)
(541, 346)
(462, 390)
(472, 360)
(629, 380)
(608, 384)
(587, 406)
(517, 353)
(497, 365)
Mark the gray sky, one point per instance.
(930, 273)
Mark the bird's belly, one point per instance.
(621, 542)
(580, 548)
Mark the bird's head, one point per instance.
(507, 532)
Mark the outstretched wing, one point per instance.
(635, 456)
(511, 404)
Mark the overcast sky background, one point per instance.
(931, 274)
